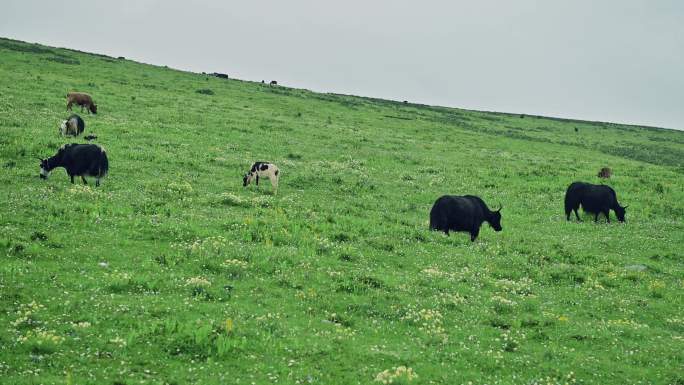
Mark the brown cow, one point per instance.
(81, 99)
(605, 173)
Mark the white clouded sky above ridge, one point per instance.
(609, 60)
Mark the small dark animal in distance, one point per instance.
(262, 169)
(73, 126)
(220, 75)
(605, 173)
(121, 58)
(81, 99)
(273, 83)
(463, 213)
(78, 160)
(594, 199)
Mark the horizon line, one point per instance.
(567, 119)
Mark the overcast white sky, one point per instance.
(608, 60)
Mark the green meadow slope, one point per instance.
(171, 272)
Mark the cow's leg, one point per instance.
(69, 106)
(473, 234)
(596, 217)
(257, 179)
(97, 182)
(577, 215)
(607, 214)
(84, 179)
(72, 178)
(274, 184)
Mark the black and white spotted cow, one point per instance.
(262, 169)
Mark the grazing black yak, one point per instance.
(594, 199)
(463, 213)
(78, 160)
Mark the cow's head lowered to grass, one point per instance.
(494, 219)
(620, 212)
(44, 168)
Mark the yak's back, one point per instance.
(78, 151)
(79, 97)
(451, 205)
(476, 202)
(453, 201)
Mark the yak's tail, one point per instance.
(104, 164)
(570, 201)
(80, 124)
(436, 220)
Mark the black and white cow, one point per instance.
(74, 126)
(78, 160)
(463, 213)
(594, 199)
(262, 169)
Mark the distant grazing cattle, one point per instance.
(273, 83)
(78, 160)
(219, 75)
(73, 126)
(463, 213)
(262, 82)
(81, 99)
(262, 169)
(605, 173)
(594, 199)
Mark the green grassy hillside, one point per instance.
(171, 272)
